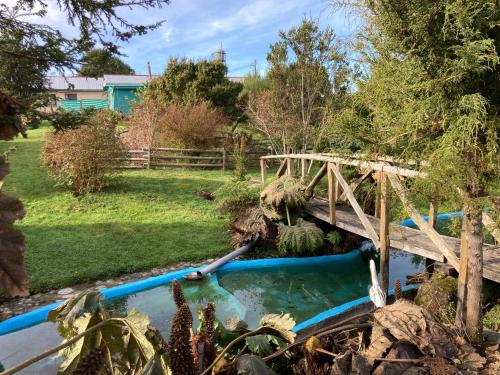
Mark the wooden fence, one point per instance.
(157, 157)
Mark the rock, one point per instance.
(438, 295)
(65, 291)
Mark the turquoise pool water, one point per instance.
(302, 290)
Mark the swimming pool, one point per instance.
(304, 287)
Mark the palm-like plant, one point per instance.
(303, 237)
(282, 195)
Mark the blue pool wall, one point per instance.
(40, 315)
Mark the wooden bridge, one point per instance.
(386, 171)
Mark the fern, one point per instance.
(334, 237)
(285, 193)
(301, 238)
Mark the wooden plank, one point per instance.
(303, 168)
(377, 166)
(331, 194)
(357, 208)
(187, 165)
(290, 166)
(424, 226)
(282, 168)
(224, 159)
(217, 151)
(186, 157)
(384, 232)
(404, 238)
(263, 170)
(317, 178)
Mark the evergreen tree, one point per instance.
(433, 93)
(187, 81)
(100, 61)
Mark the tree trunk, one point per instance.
(474, 239)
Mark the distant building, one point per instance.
(114, 91)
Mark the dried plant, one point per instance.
(252, 225)
(175, 125)
(82, 158)
(397, 289)
(94, 363)
(179, 354)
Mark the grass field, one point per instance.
(146, 218)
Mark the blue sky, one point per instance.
(245, 28)
(196, 28)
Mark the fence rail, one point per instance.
(159, 157)
(156, 157)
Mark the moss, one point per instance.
(491, 319)
(438, 295)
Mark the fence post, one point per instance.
(433, 207)
(331, 193)
(304, 168)
(263, 170)
(223, 158)
(148, 157)
(290, 166)
(384, 232)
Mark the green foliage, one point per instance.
(285, 193)
(334, 237)
(307, 81)
(98, 62)
(433, 92)
(302, 238)
(29, 48)
(491, 319)
(99, 226)
(82, 158)
(233, 197)
(124, 338)
(187, 82)
(62, 120)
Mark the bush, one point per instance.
(233, 197)
(65, 120)
(81, 158)
(175, 125)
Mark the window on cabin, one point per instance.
(71, 97)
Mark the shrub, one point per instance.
(65, 120)
(334, 237)
(233, 197)
(175, 125)
(81, 158)
(281, 195)
(302, 238)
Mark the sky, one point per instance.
(197, 28)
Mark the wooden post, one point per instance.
(224, 159)
(282, 169)
(429, 263)
(377, 177)
(304, 167)
(263, 170)
(384, 231)
(462, 281)
(338, 190)
(148, 157)
(290, 167)
(331, 193)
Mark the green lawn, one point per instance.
(146, 218)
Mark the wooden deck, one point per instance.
(403, 238)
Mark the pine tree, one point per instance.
(433, 93)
